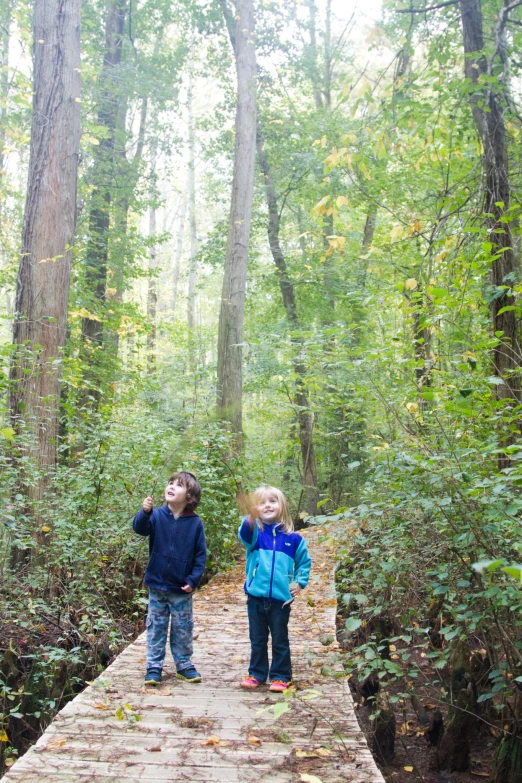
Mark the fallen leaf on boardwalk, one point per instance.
(408, 769)
(310, 778)
(237, 659)
(100, 707)
(324, 752)
(254, 740)
(214, 741)
(154, 749)
(56, 743)
(306, 754)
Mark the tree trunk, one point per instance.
(313, 69)
(5, 25)
(305, 415)
(193, 263)
(508, 759)
(42, 285)
(179, 247)
(152, 294)
(369, 230)
(231, 315)
(454, 749)
(489, 120)
(328, 56)
(103, 175)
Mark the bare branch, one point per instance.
(424, 10)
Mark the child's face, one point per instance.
(269, 508)
(176, 494)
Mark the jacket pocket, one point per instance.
(254, 572)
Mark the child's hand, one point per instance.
(148, 505)
(248, 508)
(295, 590)
(187, 589)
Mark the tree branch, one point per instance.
(429, 8)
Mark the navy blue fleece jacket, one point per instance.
(177, 548)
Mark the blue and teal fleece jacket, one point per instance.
(274, 559)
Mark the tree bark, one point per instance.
(231, 316)
(304, 415)
(179, 246)
(152, 294)
(42, 285)
(5, 25)
(103, 175)
(488, 115)
(193, 263)
(313, 69)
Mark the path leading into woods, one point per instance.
(118, 730)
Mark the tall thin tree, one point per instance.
(231, 316)
(42, 285)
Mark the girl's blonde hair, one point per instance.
(285, 521)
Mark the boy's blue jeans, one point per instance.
(177, 608)
(266, 617)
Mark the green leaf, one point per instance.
(486, 565)
(515, 571)
(280, 708)
(352, 624)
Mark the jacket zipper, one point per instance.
(273, 561)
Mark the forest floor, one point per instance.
(415, 759)
(117, 729)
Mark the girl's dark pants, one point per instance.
(266, 617)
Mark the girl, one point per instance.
(277, 569)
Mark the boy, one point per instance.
(177, 556)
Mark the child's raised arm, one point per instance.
(141, 524)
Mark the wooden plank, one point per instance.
(214, 731)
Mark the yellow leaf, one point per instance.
(364, 169)
(9, 762)
(324, 752)
(408, 769)
(342, 201)
(3, 736)
(56, 743)
(306, 778)
(412, 407)
(410, 284)
(396, 232)
(254, 740)
(45, 528)
(100, 707)
(211, 741)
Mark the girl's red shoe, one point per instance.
(251, 683)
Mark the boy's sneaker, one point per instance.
(251, 683)
(189, 675)
(278, 686)
(153, 677)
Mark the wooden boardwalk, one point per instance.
(118, 730)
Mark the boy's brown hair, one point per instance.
(192, 486)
